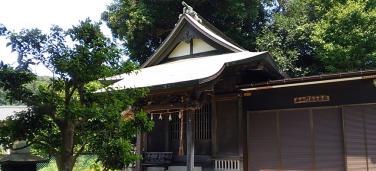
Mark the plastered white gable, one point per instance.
(183, 48)
(200, 46)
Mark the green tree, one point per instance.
(287, 37)
(2, 151)
(66, 117)
(309, 37)
(346, 36)
(33, 86)
(143, 25)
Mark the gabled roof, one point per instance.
(201, 27)
(161, 71)
(191, 71)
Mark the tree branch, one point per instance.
(79, 152)
(68, 92)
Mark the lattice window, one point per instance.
(202, 124)
(175, 126)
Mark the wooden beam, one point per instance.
(191, 47)
(190, 141)
(170, 91)
(169, 107)
(191, 101)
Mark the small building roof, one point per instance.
(21, 158)
(193, 71)
(311, 80)
(6, 111)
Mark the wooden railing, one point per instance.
(157, 157)
(224, 165)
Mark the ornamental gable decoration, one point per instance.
(192, 36)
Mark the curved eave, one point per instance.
(264, 57)
(196, 76)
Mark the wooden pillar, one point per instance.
(138, 151)
(190, 141)
(245, 136)
(214, 127)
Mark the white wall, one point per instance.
(183, 48)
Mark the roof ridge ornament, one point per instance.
(189, 11)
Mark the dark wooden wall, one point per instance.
(158, 138)
(300, 139)
(321, 138)
(334, 134)
(227, 131)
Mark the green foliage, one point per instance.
(2, 151)
(33, 87)
(14, 82)
(287, 37)
(84, 163)
(3, 98)
(314, 36)
(27, 44)
(66, 118)
(346, 36)
(143, 25)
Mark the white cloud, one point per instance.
(18, 14)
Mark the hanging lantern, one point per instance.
(160, 116)
(151, 116)
(170, 118)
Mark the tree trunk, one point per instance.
(65, 160)
(64, 163)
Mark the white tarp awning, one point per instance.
(198, 68)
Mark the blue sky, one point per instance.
(18, 14)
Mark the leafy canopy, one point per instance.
(287, 37)
(346, 36)
(66, 118)
(308, 37)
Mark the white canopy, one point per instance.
(201, 69)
